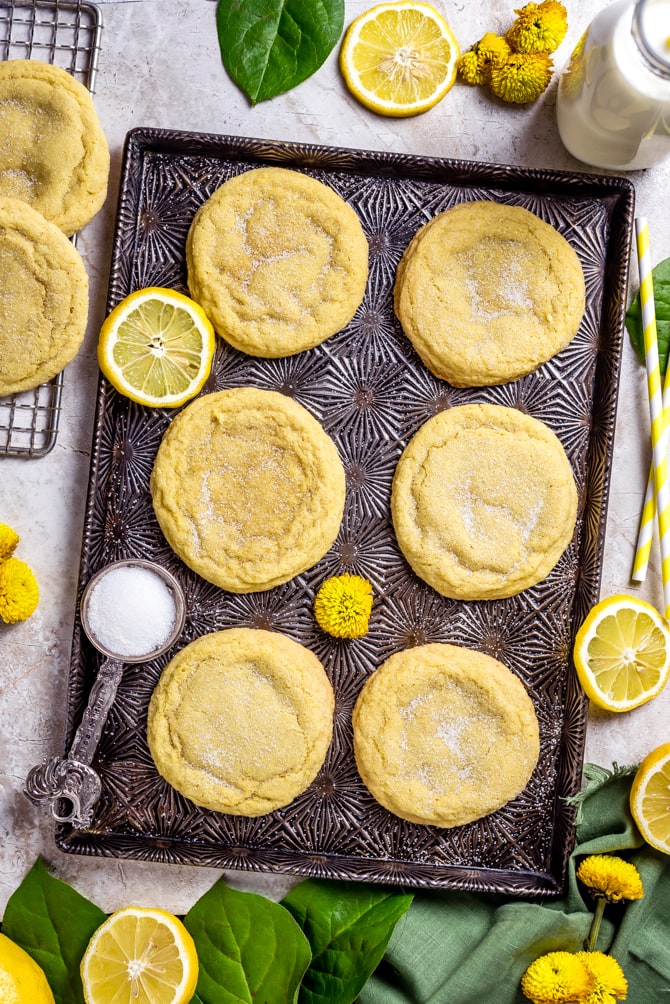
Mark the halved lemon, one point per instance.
(622, 653)
(140, 956)
(650, 798)
(156, 347)
(399, 58)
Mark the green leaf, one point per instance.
(54, 924)
(661, 280)
(348, 926)
(270, 46)
(249, 948)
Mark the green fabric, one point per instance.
(463, 948)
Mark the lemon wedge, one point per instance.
(622, 653)
(650, 798)
(399, 58)
(140, 956)
(156, 347)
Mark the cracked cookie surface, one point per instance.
(43, 298)
(241, 720)
(277, 260)
(248, 488)
(53, 151)
(483, 501)
(487, 292)
(444, 735)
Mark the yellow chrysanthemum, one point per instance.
(343, 605)
(610, 877)
(557, 978)
(19, 592)
(611, 984)
(470, 70)
(522, 78)
(8, 540)
(539, 27)
(492, 50)
(474, 67)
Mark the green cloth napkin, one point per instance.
(464, 948)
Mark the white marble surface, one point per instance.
(160, 66)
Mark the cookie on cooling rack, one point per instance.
(43, 298)
(53, 152)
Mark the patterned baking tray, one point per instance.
(68, 35)
(371, 392)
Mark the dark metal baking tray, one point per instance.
(371, 393)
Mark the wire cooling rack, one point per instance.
(67, 34)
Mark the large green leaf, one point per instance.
(661, 282)
(54, 924)
(270, 46)
(250, 949)
(348, 926)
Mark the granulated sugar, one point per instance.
(131, 611)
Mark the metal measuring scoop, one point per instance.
(69, 785)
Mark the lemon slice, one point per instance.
(156, 347)
(140, 956)
(622, 653)
(399, 58)
(650, 798)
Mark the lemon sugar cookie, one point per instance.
(53, 152)
(248, 488)
(483, 502)
(444, 735)
(241, 720)
(277, 260)
(43, 298)
(488, 292)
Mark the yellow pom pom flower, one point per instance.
(539, 27)
(492, 50)
(343, 605)
(610, 983)
(557, 978)
(470, 70)
(522, 78)
(8, 540)
(19, 592)
(610, 877)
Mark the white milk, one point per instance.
(613, 105)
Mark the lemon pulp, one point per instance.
(399, 58)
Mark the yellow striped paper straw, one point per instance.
(655, 403)
(648, 517)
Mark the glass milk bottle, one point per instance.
(613, 104)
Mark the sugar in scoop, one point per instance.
(131, 610)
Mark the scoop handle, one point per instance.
(103, 694)
(69, 785)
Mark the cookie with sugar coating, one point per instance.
(241, 720)
(53, 151)
(444, 735)
(278, 261)
(43, 298)
(488, 292)
(483, 501)
(248, 488)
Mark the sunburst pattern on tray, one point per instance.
(371, 392)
